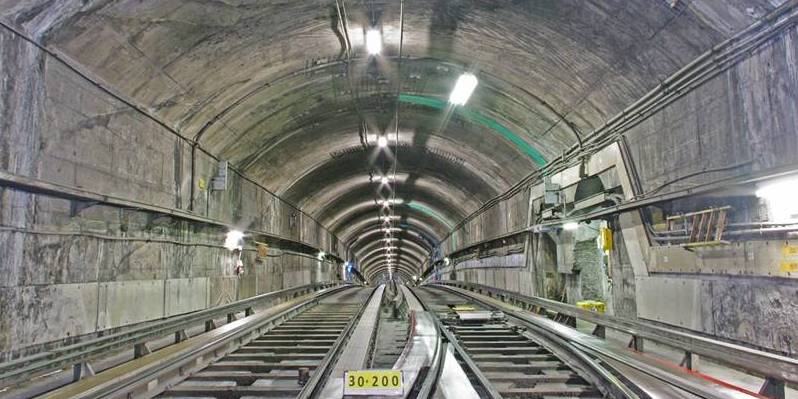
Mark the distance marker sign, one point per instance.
(374, 382)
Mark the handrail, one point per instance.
(752, 360)
(43, 362)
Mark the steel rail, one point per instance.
(751, 360)
(603, 378)
(154, 375)
(472, 366)
(612, 385)
(452, 341)
(17, 370)
(312, 388)
(582, 349)
(433, 374)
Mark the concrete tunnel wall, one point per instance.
(741, 121)
(73, 267)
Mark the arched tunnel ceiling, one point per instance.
(270, 86)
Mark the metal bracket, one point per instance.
(180, 335)
(140, 350)
(600, 331)
(636, 343)
(81, 370)
(773, 388)
(76, 206)
(690, 361)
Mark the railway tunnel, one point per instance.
(399, 198)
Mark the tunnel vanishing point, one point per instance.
(399, 198)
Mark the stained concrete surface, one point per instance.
(139, 101)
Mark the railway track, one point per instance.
(283, 353)
(300, 348)
(517, 366)
(505, 359)
(279, 363)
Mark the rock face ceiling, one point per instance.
(286, 91)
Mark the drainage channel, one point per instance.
(507, 358)
(280, 362)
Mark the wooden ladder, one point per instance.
(705, 227)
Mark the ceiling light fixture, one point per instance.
(373, 42)
(465, 85)
(571, 226)
(382, 141)
(390, 201)
(233, 240)
(780, 197)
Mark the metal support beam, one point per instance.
(600, 331)
(773, 388)
(180, 335)
(690, 361)
(636, 343)
(140, 350)
(81, 370)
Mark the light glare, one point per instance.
(373, 42)
(570, 226)
(391, 201)
(382, 141)
(465, 85)
(233, 240)
(780, 198)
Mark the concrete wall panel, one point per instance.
(671, 300)
(186, 295)
(223, 290)
(46, 313)
(756, 311)
(115, 300)
(741, 121)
